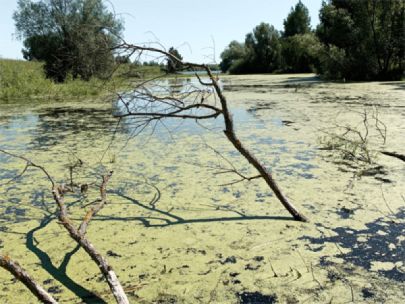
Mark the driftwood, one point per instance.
(20, 274)
(78, 234)
(183, 107)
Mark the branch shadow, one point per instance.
(170, 219)
(59, 273)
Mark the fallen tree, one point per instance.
(148, 103)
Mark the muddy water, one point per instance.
(176, 233)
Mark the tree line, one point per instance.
(355, 40)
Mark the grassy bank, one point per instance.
(21, 80)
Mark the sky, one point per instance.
(200, 30)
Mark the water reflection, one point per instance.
(29, 129)
(56, 124)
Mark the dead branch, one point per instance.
(81, 239)
(230, 170)
(78, 234)
(159, 107)
(29, 163)
(354, 143)
(93, 211)
(20, 274)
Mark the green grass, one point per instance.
(26, 81)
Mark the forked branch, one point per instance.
(77, 234)
(157, 109)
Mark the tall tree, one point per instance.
(363, 40)
(298, 41)
(263, 48)
(298, 21)
(71, 36)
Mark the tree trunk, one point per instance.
(230, 134)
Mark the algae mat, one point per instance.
(175, 232)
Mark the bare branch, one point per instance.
(143, 103)
(29, 163)
(102, 201)
(58, 193)
(19, 273)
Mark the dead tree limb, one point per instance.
(102, 201)
(170, 107)
(20, 274)
(78, 234)
(105, 268)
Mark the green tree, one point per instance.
(264, 49)
(298, 21)
(362, 40)
(232, 56)
(261, 52)
(173, 65)
(70, 36)
(299, 53)
(298, 41)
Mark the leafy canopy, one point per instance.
(362, 40)
(71, 36)
(261, 52)
(298, 21)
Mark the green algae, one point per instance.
(174, 234)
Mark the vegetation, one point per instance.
(299, 43)
(232, 57)
(355, 40)
(266, 50)
(22, 79)
(362, 40)
(261, 52)
(299, 52)
(72, 37)
(298, 21)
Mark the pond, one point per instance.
(176, 230)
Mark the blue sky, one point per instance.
(196, 28)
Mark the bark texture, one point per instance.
(21, 275)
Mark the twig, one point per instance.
(385, 201)
(93, 211)
(313, 276)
